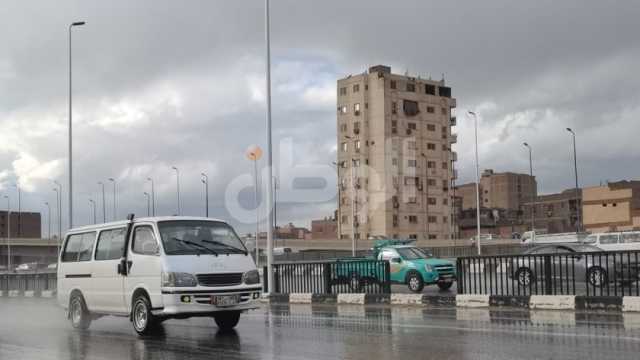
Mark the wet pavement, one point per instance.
(37, 329)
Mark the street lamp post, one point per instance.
(59, 222)
(17, 186)
(339, 217)
(254, 153)
(115, 216)
(205, 182)
(178, 188)
(267, 26)
(92, 204)
(8, 233)
(533, 207)
(104, 207)
(59, 194)
(475, 117)
(48, 220)
(78, 23)
(153, 197)
(146, 194)
(575, 169)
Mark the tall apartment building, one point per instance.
(394, 155)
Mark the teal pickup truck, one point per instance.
(408, 265)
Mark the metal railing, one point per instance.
(613, 273)
(21, 282)
(332, 277)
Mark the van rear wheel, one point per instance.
(227, 320)
(78, 313)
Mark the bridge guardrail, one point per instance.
(606, 273)
(32, 281)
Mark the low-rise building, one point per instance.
(612, 207)
(23, 225)
(326, 228)
(555, 213)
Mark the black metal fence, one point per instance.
(592, 274)
(21, 282)
(331, 277)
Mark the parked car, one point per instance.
(591, 268)
(27, 267)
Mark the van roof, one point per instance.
(138, 220)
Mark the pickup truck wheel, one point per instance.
(78, 313)
(227, 320)
(355, 283)
(415, 282)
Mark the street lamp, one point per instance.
(339, 217)
(354, 203)
(267, 27)
(575, 169)
(254, 153)
(104, 207)
(533, 215)
(48, 219)
(177, 187)
(59, 194)
(93, 207)
(115, 216)
(77, 23)
(426, 195)
(475, 117)
(153, 197)
(205, 180)
(148, 205)
(8, 233)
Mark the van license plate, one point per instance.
(225, 300)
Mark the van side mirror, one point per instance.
(122, 267)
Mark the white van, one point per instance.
(153, 269)
(615, 241)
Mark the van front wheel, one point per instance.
(227, 320)
(143, 320)
(78, 313)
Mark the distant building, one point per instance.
(394, 148)
(612, 207)
(555, 213)
(23, 225)
(288, 231)
(325, 229)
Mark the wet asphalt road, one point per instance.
(36, 329)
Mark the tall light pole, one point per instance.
(59, 187)
(205, 181)
(48, 219)
(17, 186)
(267, 26)
(77, 23)
(533, 215)
(153, 197)
(254, 153)
(59, 216)
(148, 203)
(426, 195)
(275, 209)
(104, 206)
(339, 217)
(575, 169)
(475, 117)
(92, 205)
(354, 203)
(8, 233)
(178, 188)
(115, 216)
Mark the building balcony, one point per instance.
(454, 156)
(453, 121)
(453, 139)
(454, 174)
(454, 103)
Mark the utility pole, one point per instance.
(115, 216)
(78, 23)
(205, 181)
(533, 194)
(104, 206)
(475, 117)
(575, 168)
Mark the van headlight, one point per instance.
(178, 279)
(251, 277)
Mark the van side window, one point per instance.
(79, 247)
(144, 242)
(630, 237)
(609, 239)
(591, 239)
(110, 244)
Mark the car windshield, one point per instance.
(412, 253)
(191, 237)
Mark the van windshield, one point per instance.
(194, 237)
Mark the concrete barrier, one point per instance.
(472, 301)
(300, 298)
(351, 299)
(14, 293)
(406, 299)
(552, 302)
(631, 303)
(29, 293)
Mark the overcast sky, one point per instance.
(164, 83)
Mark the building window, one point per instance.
(431, 182)
(430, 89)
(394, 162)
(356, 109)
(445, 147)
(432, 201)
(445, 219)
(366, 87)
(445, 201)
(395, 220)
(343, 109)
(411, 87)
(431, 127)
(345, 219)
(445, 166)
(431, 146)
(411, 126)
(410, 180)
(343, 91)
(356, 88)
(443, 111)
(356, 163)
(444, 129)
(444, 91)
(356, 127)
(411, 163)
(395, 144)
(410, 107)
(431, 164)
(394, 107)
(392, 84)
(394, 126)
(412, 200)
(411, 145)
(432, 237)
(433, 219)
(413, 219)
(343, 128)
(366, 105)
(430, 109)
(357, 145)
(344, 146)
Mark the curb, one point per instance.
(533, 302)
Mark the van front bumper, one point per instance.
(190, 303)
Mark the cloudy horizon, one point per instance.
(165, 83)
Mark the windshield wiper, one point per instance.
(199, 246)
(225, 245)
